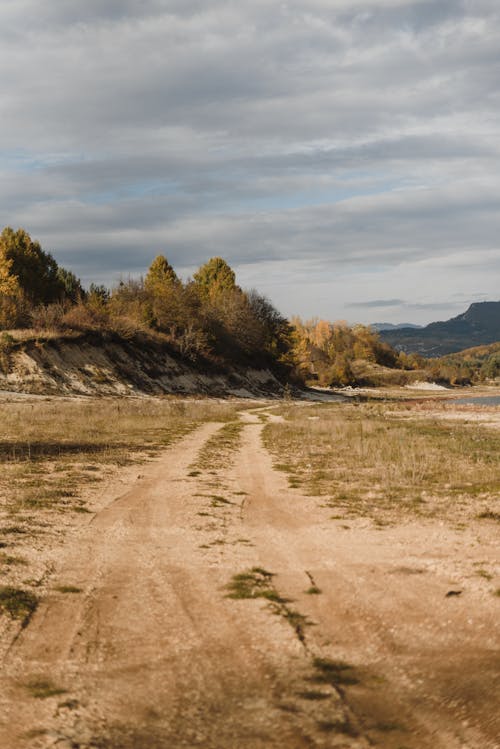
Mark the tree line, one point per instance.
(207, 316)
(210, 317)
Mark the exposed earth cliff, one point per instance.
(107, 364)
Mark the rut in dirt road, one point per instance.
(196, 625)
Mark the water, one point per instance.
(481, 400)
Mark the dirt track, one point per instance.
(153, 654)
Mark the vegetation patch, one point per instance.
(41, 688)
(335, 673)
(11, 561)
(313, 591)
(258, 583)
(68, 589)
(217, 451)
(369, 461)
(314, 695)
(17, 603)
(343, 726)
(489, 515)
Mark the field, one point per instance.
(195, 573)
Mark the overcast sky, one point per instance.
(342, 155)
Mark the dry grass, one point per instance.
(50, 448)
(369, 463)
(217, 452)
(55, 452)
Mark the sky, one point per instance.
(342, 155)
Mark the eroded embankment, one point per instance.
(107, 364)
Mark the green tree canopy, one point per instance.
(34, 269)
(160, 274)
(215, 276)
(71, 286)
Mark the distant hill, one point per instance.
(479, 325)
(379, 326)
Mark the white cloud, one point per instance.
(327, 136)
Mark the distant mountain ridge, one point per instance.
(478, 325)
(379, 326)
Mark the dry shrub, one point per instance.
(81, 317)
(47, 317)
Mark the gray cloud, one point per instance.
(325, 143)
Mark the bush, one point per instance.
(48, 317)
(82, 317)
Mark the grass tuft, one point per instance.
(489, 515)
(17, 603)
(334, 672)
(41, 688)
(68, 589)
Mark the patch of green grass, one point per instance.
(256, 583)
(15, 530)
(389, 726)
(68, 589)
(17, 603)
(313, 591)
(41, 688)
(338, 726)
(314, 695)
(489, 515)
(218, 501)
(10, 561)
(485, 574)
(336, 673)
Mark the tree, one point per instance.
(160, 274)
(276, 330)
(215, 276)
(71, 287)
(98, 297)
(36, 271)
(164, 293)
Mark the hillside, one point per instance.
(156, 334)
(105, 363)
(479, 325)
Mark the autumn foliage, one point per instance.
(326, 352)
(207, 317)
(210, 319)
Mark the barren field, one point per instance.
(236, 574)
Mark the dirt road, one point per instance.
(353, 643)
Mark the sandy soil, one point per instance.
(153, 654)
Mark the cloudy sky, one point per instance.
(342, 155)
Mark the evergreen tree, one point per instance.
(160, 274)
(215, 276)
(34, 269)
